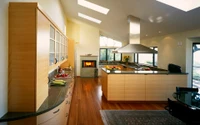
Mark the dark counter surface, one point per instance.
(138, 72)
(55, 97)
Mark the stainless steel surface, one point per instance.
(134, 45)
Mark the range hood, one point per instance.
(134, 45)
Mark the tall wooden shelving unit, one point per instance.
(30, 62)
(28, 57)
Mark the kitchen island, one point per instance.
(133, 85)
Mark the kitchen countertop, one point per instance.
(57, 95)
(138, 72)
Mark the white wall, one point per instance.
(52, 8)
(174, 48)
(86, 38)
(88, 43)
(3, 56)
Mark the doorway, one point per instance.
(196, 65)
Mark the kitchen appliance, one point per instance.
(134, 45)
(172, 68)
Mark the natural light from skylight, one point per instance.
(93, 6)
(89, 18)
(185, 5)
(108, 42)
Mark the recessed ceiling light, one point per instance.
(146, 34)
(159, 31)
(93, 6)
(89, 18)
(185, 5)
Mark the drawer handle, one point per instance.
(56, 111)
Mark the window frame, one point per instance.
(107, 55)
(194, 49)
(136, 56)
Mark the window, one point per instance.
(196, 66)
(106, 54)
(103, 53)
(147, 58)
(118, 56)
(106, 51)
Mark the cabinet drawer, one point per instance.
(48, 115)
(53, 121)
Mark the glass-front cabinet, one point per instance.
(52, 46)
(58, 46)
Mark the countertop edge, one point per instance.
(12, 116)
(141, 72)
(29, 114)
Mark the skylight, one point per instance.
(93, 6)
(89, 18)
(185, 5)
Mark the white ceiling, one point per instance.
(154, 16)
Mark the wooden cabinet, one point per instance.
(26, 121)
(141, 87)
(28, 57)
(134, 87)
(33, 39)
(68, 101)
(104, 80)
(47, 117)
(156, 88)
(58, 50)
(172, 81)
(162, 87)
(58, 115)
(115, 87)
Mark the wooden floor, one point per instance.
(88, 100)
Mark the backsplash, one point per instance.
(52, 74)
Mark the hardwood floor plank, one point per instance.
(87, 100)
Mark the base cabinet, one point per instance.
(116, 87)
(104, 84)
(52, 117)
(26, 121)
(156, 88)
(57, 116)
(134, 87)
(141, 87)
(60, 114)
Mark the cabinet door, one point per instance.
(43, 118)
(58, 39)
(115, 87)
(26, 121)
(52, 121)
(174, 80)
(104, 83)
(156, 88)
(42, 58)
(134, 87)
(62, 54)
(65, 111)
(66, 48)
(52, 46)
